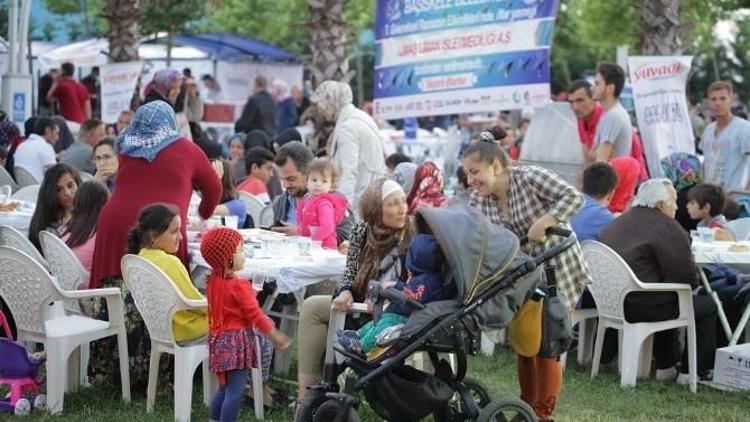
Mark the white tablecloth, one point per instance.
(18, 220)
(291, 272)
(719, 253)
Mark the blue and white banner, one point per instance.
(437, 57)
(661, 106)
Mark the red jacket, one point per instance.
(232, 305)
(170, 178)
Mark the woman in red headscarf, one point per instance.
(628, 170)
(427, 189)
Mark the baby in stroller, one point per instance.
(424, 264)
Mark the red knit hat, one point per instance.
(218, 246)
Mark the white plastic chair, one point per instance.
(157, 299)
(24, 177)
(6, 179)
(85, 177)
(9, 236)
(612, 281)
(29, 193)
(70, 275)
(29, 290)
(266, 216)
(740, 228)
(586, 320)
(253, 207)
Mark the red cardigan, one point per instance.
(232, 305)
(171, 178)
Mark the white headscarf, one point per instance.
(332, 96)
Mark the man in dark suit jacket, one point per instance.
(260, 111)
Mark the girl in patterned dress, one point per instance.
(233, 313)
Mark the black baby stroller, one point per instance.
(492, 279)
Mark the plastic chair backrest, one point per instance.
(28, 193)
(24, 177)
(154, 295)
(85, 177)
(64, 265)
(612, 278)
(27, 289)
(740, 228)
(253, 206)
(9, 236)
(266, 216)
(6, 179)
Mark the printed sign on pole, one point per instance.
(661, 106)
(118, 81)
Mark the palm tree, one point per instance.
(123, 34)
(659, 28)
(328, 31)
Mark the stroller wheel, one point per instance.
(481, 396)
(507, 410)
(22, 407)
(40, 402)
(329, 411)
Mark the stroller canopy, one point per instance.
(477, 251)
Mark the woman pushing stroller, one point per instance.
(528, 200)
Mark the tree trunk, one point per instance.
(328, 32)
(123, 34)
(659, 28)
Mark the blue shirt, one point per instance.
(727, 156)
(237, 208)
(291, 211)
(590, 220)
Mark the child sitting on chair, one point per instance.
(424, 262)
(706, 203)
(322, 209)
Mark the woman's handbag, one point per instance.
(542, 325)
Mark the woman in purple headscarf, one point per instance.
(165, 86)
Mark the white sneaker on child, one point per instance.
(668, 374)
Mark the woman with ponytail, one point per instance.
(377, 251)
(234, 316)
(527, 200)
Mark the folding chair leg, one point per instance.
(692, 356)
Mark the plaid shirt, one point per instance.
(534, 192)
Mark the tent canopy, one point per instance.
(224, 46)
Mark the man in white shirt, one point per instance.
(726, 142)
(36, 154)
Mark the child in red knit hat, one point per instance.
(233, 312)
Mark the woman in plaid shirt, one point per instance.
(528, 200)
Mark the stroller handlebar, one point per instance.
(551, 231)
(396, 296)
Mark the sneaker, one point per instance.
(683, 379)
(668, 374)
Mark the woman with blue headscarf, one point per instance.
(156, 165)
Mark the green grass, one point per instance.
(582, 399)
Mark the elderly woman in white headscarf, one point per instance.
(657, 249)
(355, 144)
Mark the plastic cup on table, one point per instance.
(5, 194)
(258, 280)
(304, 245)
(706, 234)
(231, 221)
